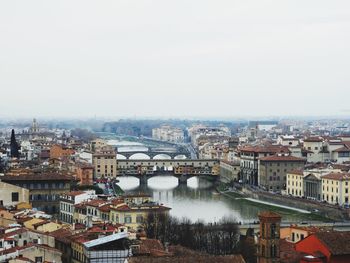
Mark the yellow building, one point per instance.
(295, 184)
(97, 144)
(12, 195)
(105, 162)
(129, 210)
(335, 188)
(78, 250)
(6, 218)
(134, 216)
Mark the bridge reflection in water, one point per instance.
(198, 200)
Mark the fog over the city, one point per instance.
(174, 58)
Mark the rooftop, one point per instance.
(282, 158)
(337, 176)
(337, 242)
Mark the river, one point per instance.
(198, 199)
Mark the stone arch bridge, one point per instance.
(183, 169)
(153, 152)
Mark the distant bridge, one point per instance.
(153, 152)
(183, 169)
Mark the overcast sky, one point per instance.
(176, 58)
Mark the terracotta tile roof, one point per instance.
(95, 202)
(102, 228)
(105, 208)
(288, 253)
(313, 139)
(62, 235)
(269, 214)
(343, 149)
(265, 149)
(13, 233)
(337, 176)
(38, 177)
(117, 201)
(121, 208)
(296, 172)
(311, 229)
(338, 243)
(277, 158)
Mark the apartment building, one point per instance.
(335, 188)
(273, 170)
(105, 162)
(68, 200)
(249, 157)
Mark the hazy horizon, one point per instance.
(174, 59)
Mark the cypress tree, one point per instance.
(14, 148)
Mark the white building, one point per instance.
(168, 133)
(70, 199)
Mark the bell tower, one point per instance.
(269, 237)
(34, 128)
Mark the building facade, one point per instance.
(12, 195)
(250, 155)
(335, 188)
(273, 170)
(44, 188)
(105, 162)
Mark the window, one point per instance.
(263, 230)
(15, 197)
(273, 251)
(127, 219)
(139, 219)
(263, 250)
(273, 231)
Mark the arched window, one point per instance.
(263, 230)
(273, 251)
(273, 231)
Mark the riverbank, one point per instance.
(285, 211)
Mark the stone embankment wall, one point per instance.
(330, 211)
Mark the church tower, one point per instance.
(34, 128)
(269, 237)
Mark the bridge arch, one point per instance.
(180, 157)
(162, 156)
(121, 157)
(138, 156)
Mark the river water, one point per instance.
(198, 199)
